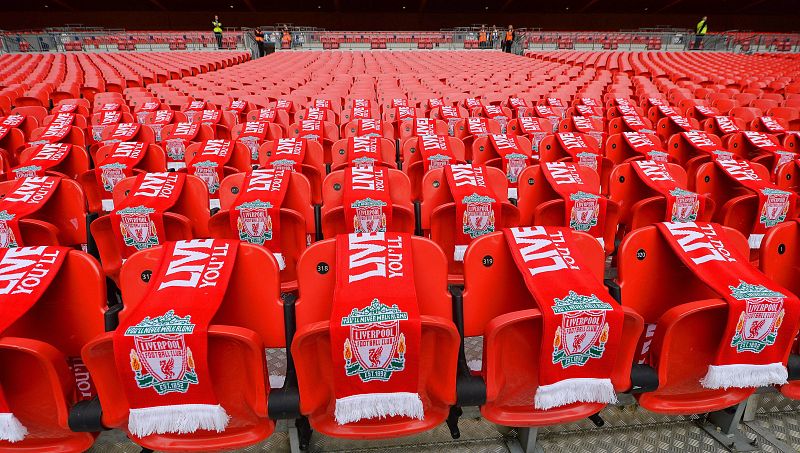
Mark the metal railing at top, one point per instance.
(526, 39)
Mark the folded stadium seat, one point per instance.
(725, 105)
(792, 141)
(368, 127)
(305, 156)
(594, 112)
(221, 122)
(685, 319)
(693, 148)
(204, 160)
(271, 115)
(657, 112)
(193, 107)
(701, 112)
(649, 192)
(401, 113)
(40, 346)
(438, 151)
(187, 218)
(534, 129)
(510, 153)
(77, 120)
(60, 159)
(438, 344)
(763, 148)
(542, 200)
(323, 132)
(157, 119)
(579, 148)
(512, 326)
(101, 120)
(786, 113)
(587, 126)
(79, 106)
(176, 137)
(481, 213)
(627, 146)
(58, 133)
(295, 225)
(318, 114)
(397, 189)
(746, 114)
(778, 260)
(621, 109)
(746, 200)
(723, 126)
(12, 139)
(675, 124)
(416, 127)
(498, 113)
(345, 152)
(770, 125)
(26, 123)
(57, 216)
(245, 324)
(253, 134)
(113, 163)
(764, 104)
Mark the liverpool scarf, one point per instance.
(160, 119)
(144, 110)
(682, 205)
(774, 205)
(477, 206)
(435, 152)
(209, 165)
(477, 126)
(584, 322)
(110, 107)
(636, 124)
(138, 222)
(762, 316)
(369, 128)
(124, 157)
(177, 141)
(360, 113)
(161, 346)
(643, 146)
(316, 114)
(580, 152)
(375, 329)
(701, 142)
(251, 135)
(726, 125)
(311, 130)
(366, 199)
(363, 151)
(105, 118)
(122, 132)
(543, 111)
(256, 212)
(28, 272)
(764, 145)
(770, 125)
(532, 128)
(584, 207)
(208, 117)
(514, 157)
(57, 130)
(42, 159)
(288, 154)
(26, 197)
(585, 125)
(423, 126)
(402, 113)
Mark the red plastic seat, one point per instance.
(689, 321)
(415, 168)
(246, 322)
(330, 133)
(281, 118)
(187, 219)
(619, 150)
(311, 347)
(75, 163)
(313, 166)
(511, 326)
(550, 150)
(37, 350)
(75, 136)
(339, 153)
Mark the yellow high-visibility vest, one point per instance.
(217, 26)
(702, 27)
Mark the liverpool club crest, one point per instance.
(587, 160)
(176, 149)
(583, 332)
(369, 217)
(138, 230)
(283, 164)
(160, 358)
(254, 223)
(438, 161)
(585, 211)
(252, 144)
(376, 347)
(28, 171)
(7, 238)
(686, 206)
(759, 323)
(516, 163)
(207, 171)
(658, 156)
(478, 215)
(775, 207)
(111, 174)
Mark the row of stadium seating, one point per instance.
(593, 114)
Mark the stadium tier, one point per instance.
(530, 238)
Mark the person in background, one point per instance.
(493, 37)
(217, 31)
(286, 40)
(482, 38)
(702, 29)
(259, 35)
(509, 39)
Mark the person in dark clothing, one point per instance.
(509, 39)
(702, 29)
(259, 35)
(217, 31)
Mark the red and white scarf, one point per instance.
(369, 128)
(106, 118)
(496, 113)
(256, 213)
(208, 117)
(124, 157)
(252, 135)
(160, 119)
(366, 200)
(177, 141)
(364, 151)
(283, 104)
(399, 102)
(402, 113)
(543, 111)
(762, 316)
(268, 115)
(123, 132)
(514, 157)
(764, 144)
(472, 103)
(451, 115)
(316, 114)
(584, 207)
(589, 112)
(434, 103)
(726, 125)
(423, 126)
(642, 145)
(110, 107)
(636, 124)
(360, 113)
(66, 108)
(375, 329)
(145, 109)
(774, 205)
(161, 346)
(323, 104)
(477, 126)
(311, 130)
(581, 153)
(584, 322)
(41, 160)
(532, 129)
(138, 223)
(681, 122)
(237, 107)
(701, 142)
(682, 205)
(57, 130)
(586, 126)
(477, 206)
(288, 154)
(435, 152)
(193, 109)
(209, 165)
(26, 273)
(26, 197)
(772, 126)
(14, 120)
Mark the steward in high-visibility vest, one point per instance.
(702, 29)
(217, 31)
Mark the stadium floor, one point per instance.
(775, 428)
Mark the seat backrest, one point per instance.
(779, 256)
(483, 149)
(240, 156)
(333, 189)
(339, 153)
(316, 272)
(436, 192)
(297, 198)
(534, 190)
(627, 188)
